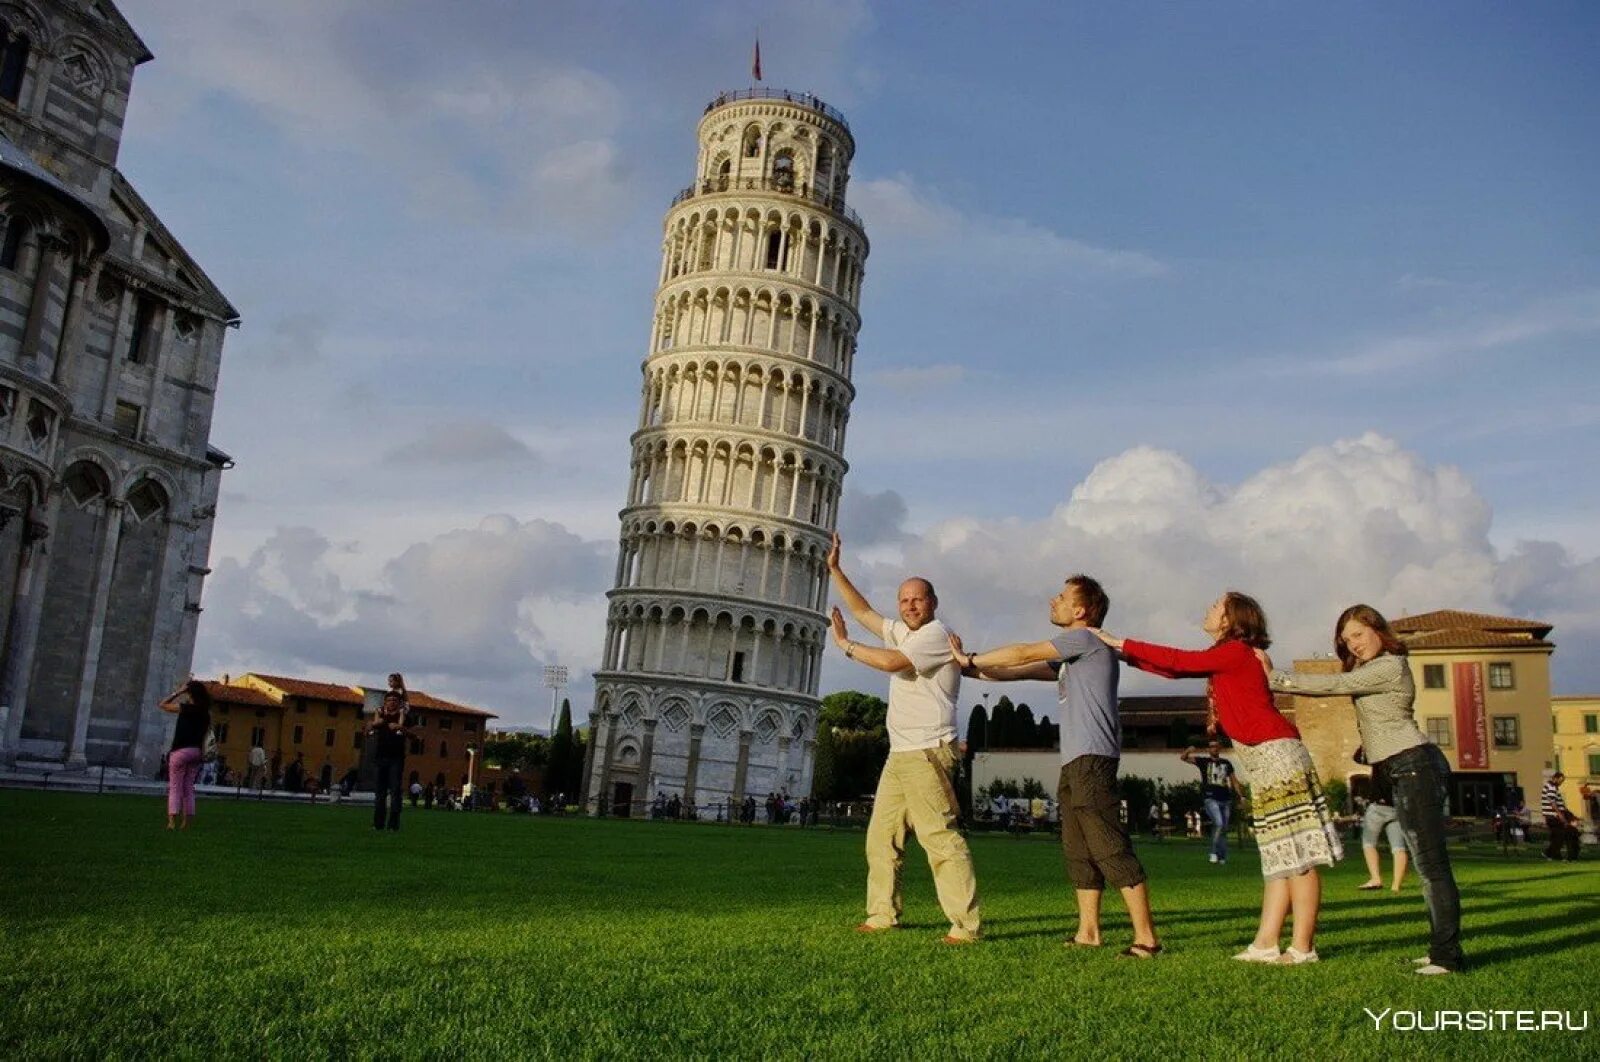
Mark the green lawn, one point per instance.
(295, 931)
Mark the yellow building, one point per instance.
(323, 724)
(1577, 743)
(1483, 696)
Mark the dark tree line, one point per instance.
(1009, 726)
(559, 757)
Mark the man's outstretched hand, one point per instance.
(841, 633)
(833, 553)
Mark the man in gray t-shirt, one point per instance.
(1093, 837)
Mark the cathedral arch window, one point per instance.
(41, 425)
(147, 500)
(16, 234)
(13, 63)
(86, 482)
(752, 142)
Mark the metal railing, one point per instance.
(713, 185)
(803, 99)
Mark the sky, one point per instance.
(1302, 300)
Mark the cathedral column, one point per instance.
(783, 764)
(76, 751)
(604, 796)
(108, 394)
(33, 329)
(697, 732)
(27, 610)
(741, 768)
(162, 338)
(69, 343)
(587, 784)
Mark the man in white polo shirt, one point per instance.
(915, 788)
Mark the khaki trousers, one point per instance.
(915, 792)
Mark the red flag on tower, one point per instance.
(755, 67)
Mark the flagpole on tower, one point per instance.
(755, 65)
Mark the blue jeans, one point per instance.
(1219, 811)
(1421, 777)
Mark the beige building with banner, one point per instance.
(1483, 696)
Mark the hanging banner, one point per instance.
(1472, 718)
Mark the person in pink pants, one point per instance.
(188, 750)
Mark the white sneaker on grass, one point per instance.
(1213, 857)
(1433, 969)
(1424, 961)
(1294, 957)
(1255, 954)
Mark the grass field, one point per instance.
(296, 931)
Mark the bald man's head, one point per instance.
(917, 601)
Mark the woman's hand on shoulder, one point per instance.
(1110, 639)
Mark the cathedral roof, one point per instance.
(21, 164)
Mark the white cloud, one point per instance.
(462, 442)
(897, 209)
(1358, 520)
(475, 612)
(918, 378)
(475, 609)
(1576, 313)
(483, 132)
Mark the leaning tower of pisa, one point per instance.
(714, 637)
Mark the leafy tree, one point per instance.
(1032, 787)
(1140, 793)
(852, 710)
(1049, 734)
(517, 752)
(1182, 799)
(852, 745)
(1337, 790)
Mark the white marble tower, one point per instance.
(714, 638)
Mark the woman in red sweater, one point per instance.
(1294, 830)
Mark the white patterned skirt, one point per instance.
(1294, 829)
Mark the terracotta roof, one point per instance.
(1474, 638)
(322, 691)
(1166, 705)
(1451, 619)
(225, 694)
(418, 699)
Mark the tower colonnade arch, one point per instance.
(715, 626)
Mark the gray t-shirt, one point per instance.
(1086, 689)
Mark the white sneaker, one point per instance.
(1213, 857)
(1255, 954)
(1294, 957)
(1424, 961)
(1433, 970)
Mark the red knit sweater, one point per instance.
(1238, 685)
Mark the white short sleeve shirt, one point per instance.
(922, 700)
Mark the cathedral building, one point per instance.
(110, 343)
(708, 685)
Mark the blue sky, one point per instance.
(1302, 299)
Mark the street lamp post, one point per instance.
(555, 677)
